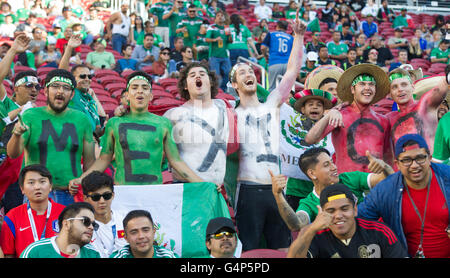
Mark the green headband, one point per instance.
(138, 77)
(60, 79)
(26, 79)
(397, 75)
(363, 77)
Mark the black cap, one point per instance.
(216, 224)
(334, 192)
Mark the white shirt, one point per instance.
(263, 12)
(108, 237)
(201, 135)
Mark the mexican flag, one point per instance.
(180, 211)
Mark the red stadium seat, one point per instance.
(105, 72)
(114, 86)
(165, 82)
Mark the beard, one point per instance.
(57, 109)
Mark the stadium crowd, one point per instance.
(324, 129)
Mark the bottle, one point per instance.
(220, 43)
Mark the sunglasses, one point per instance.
(96, 197)
(83, 76)
(165, 53)
(86, 222)
(32, 85)
(221, 235)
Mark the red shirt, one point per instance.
(60, 43)
(436, 243)
(362, 131)
(16, 233)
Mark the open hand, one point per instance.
(21, 42)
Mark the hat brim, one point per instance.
(327, 104)
(321, 73)
(423, 85)
(345, 82)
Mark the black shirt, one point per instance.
(372, 239)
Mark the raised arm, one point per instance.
(330, 121)
(74, 42)
(20, 44)
(282, 91)
(300, 247)
(294, 221)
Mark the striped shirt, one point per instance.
(159, 252)
(47, 248)
(372, 239)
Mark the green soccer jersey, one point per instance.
(358, 182)
(158, 9)
(217, 49)
(337, 49)
(85, 103)
(442, 139)
(137, 141)
(439, 54)
(239, 40)
(201, 41)
(47, 248)
(159, 252)
(56, 141)
(174, 19)
(193, 26)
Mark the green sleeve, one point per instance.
(357, 182)
(107, 140)
(441, 139)
(311, 211)
(209, 34)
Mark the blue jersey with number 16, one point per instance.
(280, 46)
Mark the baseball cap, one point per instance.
(312, 56)
(334, 192)
(398, 30)
(421, 143)
(218, 223)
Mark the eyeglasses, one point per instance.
(191, 11)
(165, 53)
(86, 222)
(33, 85)
(96, 197)
(83, 76)
(221, 235)
(66, 88)
(420, 159)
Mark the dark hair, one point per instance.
(236, 21)
(309, 159)
(125, 46)
(41, 169)
(148, 35)
(72, 210)
(142, 23)
(183, 49)
(95, 181)
(77, 67)
(282, 24)
(184, 93)
(141, 73)
(351, 49)
(25, 73)
(136, 214)
(62, 73)
(164, 48)
(177, 39)
(326, 81)
(346, 24)
(322, 46)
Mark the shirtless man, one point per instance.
(414, 116)
(258, 126)
(201, 125)
(120, 34)
(359, 128)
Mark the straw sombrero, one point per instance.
(321, 73)
(345, 82)
(416, 73)
(425, 84)
(301, 97)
